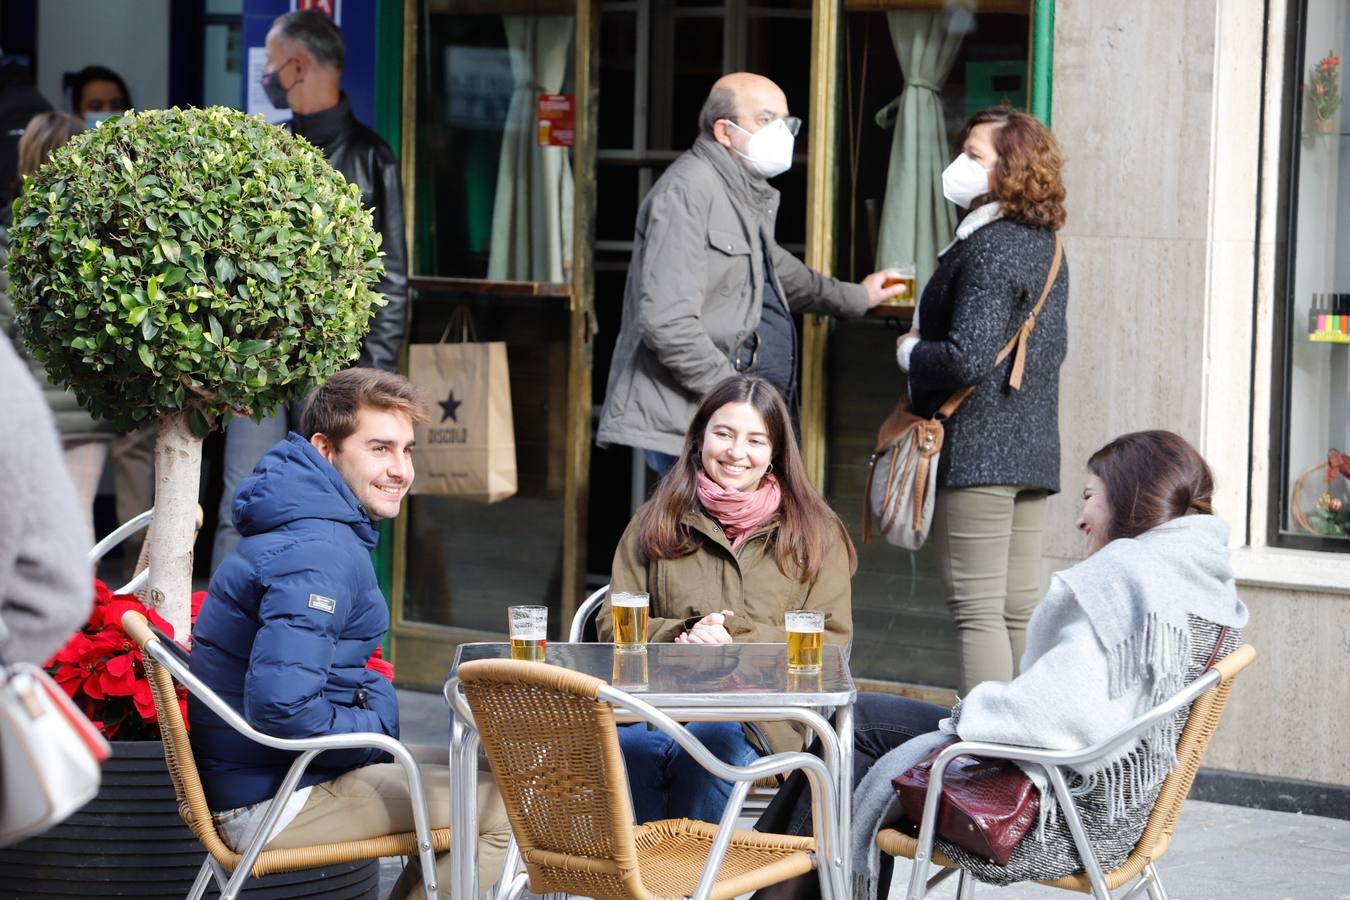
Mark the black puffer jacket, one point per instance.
(979, 296)
(366, 161)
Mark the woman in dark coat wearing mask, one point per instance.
(1000, 454)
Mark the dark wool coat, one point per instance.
(984, 288)
(289, 621)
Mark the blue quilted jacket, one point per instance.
(289, 621)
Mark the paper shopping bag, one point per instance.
(468, 447)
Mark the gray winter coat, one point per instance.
(981, 293)
(695, 292)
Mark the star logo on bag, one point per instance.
(450, 408)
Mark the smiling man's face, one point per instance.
(375, 460)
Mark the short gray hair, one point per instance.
(721, 104)
(318, 33)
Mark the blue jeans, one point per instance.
(659, 462)
(668, 783)
(245, 443)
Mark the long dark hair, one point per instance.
(1151, 477)
(807, 526)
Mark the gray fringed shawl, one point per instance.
(1108, 642)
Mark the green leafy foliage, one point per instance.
(197, 260)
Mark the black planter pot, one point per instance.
(129, 842)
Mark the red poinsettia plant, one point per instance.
(100, 668)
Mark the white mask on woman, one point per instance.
(769, 150)
(964, 180)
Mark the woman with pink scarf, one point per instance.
(734, 536)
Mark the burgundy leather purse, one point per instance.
(987, 805)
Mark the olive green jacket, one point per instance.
(746, 581)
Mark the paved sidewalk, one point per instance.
(1219, 852)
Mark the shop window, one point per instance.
(1312, 474)
(901, 113)
(494, 195)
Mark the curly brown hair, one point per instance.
(1029, 182)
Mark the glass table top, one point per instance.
(668, 674)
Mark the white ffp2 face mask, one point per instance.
(769, 150)
(964, 180)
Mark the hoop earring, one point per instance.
(769, 470)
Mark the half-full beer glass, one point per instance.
(805, 640)
(528, 626)
(630, 620)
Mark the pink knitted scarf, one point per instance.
(739, 512)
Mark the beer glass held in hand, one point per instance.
(630, 620)
(805, 640)
(528, 627)
(902, 274)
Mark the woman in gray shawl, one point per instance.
(1115, 635)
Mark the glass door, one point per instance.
(499, 178)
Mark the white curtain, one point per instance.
(916, 220)
(532, 213)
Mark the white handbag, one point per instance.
(50, 754)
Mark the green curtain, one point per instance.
(532, 214)
(916, 220)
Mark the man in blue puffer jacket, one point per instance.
(291, 619)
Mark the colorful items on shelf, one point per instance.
(1329, 319)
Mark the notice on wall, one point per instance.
(557, 120)
(330, 8)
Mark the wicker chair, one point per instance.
(550, 736)
(230, 869)
(1209, 694)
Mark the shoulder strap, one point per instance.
(1023, 336)
(1018, 341)
(1218, 647)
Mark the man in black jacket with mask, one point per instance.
(305, 54)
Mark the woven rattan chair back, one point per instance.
(555, 753)
(187, 783)
(1201, 723)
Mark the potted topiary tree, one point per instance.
(185, 266)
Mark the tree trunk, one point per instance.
(178, 465)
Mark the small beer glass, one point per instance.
(904, 274)
(630, 620)
(528, 627)
(805, 640)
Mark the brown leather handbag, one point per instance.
(987, 805)
(902, 473)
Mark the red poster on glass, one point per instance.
(329, 8)
(557, 120)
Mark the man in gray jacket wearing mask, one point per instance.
(709, 291)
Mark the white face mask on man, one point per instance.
(769, 151)
(964, 180)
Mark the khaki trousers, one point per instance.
(133, 456)
(988, 540)
(374, 800)
(85, 458)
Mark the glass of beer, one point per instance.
(630, 620)
(805, 640)
(528, 627)
(902, 274)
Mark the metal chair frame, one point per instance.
(1052, 762)
(630, 707)
(117, 536)
(308, 749)
(584, 612)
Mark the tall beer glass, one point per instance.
(805, 640)
(630, 620)
(528, 627)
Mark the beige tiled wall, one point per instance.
(1158, 107)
